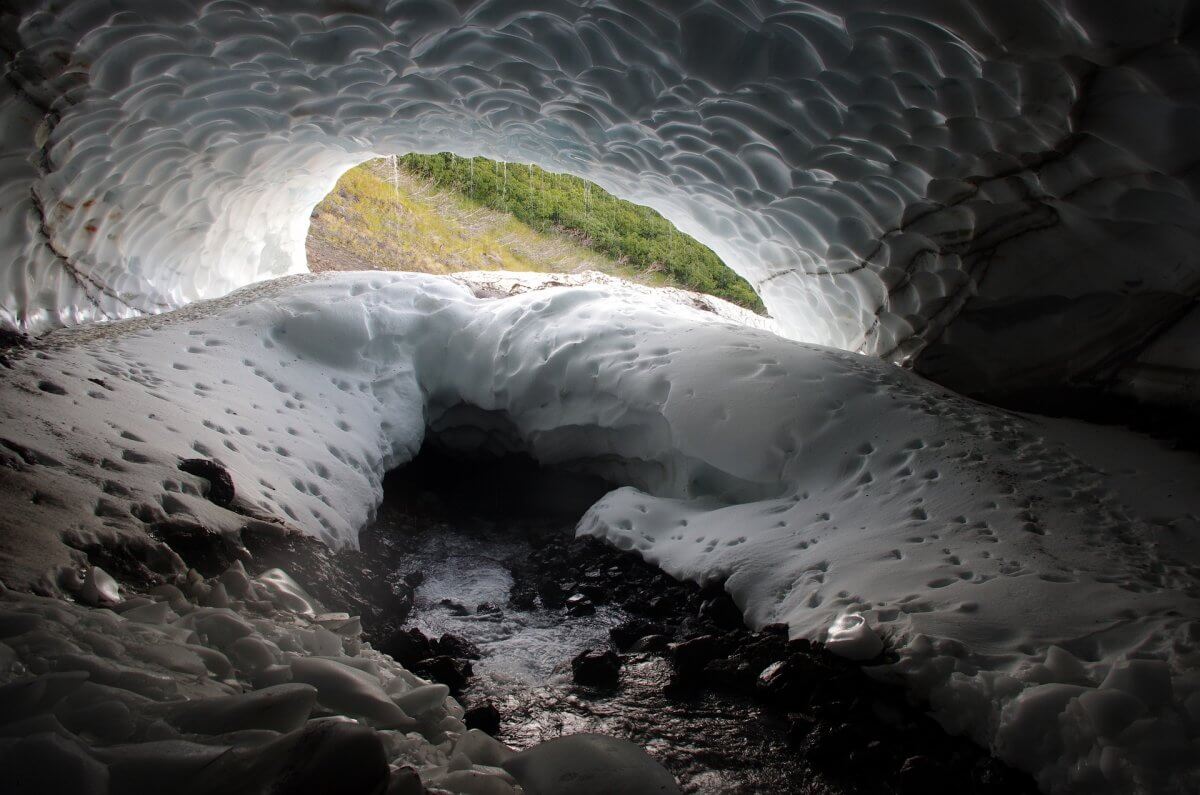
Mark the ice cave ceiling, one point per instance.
(1003, 193)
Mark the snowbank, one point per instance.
(1035, 607)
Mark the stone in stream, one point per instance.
(447, 670)
(692, 655)
(790, 682)
(456, 646)
(625, 634)
(589, 764)
(596, 668)
(407, 646)
(551, 594)
(580, 605)
(651, 644)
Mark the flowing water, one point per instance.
(466, 554)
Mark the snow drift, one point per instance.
(1029, 595)
(1004, 190)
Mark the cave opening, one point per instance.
(442, 213)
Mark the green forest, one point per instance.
(633, 235)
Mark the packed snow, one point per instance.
(230, 684)
(888, 175)
(1028, 591)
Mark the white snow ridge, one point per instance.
(1002, 195)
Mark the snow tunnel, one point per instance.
(948, 208)
(917, 182)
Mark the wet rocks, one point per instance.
(454, 646)
(690, 656)
(450, 671)
(407, 646)
(596, 668)
(626, 634)
(579, 605)
(446, 659)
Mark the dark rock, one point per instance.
(456, 608)
(799, 726)
(551, 594)
(596, 593)
(447, 670)
(414, 579)
(722, 611)
(486, 609)
(731, 673)
(484, 717)
(596, 668)
(407, 646)
(220, 484)
(580, 605)
(629, 632)
(201, 548)
(832, 746)
(522, 595)
(780, 630)
(651, 644)
(662, 605)
(692, 655)
(692, 627)
(790, 682)
(455, 646)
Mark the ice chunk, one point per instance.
(350, 691)
(851, 637)
(420, 700)
(286, 593)
(589, 764)
(282, 708)
(99, 588)
(483, 749)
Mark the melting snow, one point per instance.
(1036, 606)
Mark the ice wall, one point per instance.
(1007, 187)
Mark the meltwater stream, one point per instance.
(464, 531)
(488, 549)
(466, 570)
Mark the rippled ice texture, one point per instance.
(1009, 182)
(1043, 606)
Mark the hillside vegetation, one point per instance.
(442, 214)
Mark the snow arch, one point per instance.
(1004, 190)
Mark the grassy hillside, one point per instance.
(441, 214)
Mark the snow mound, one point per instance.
(1032, 597)
(220, 686)
(888, 175)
